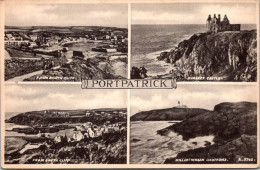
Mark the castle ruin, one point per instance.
(216, 25)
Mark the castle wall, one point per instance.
(225, 28)
(235, 27)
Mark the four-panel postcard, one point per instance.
(129, 84)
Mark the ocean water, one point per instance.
(148, 41)
(146, 146)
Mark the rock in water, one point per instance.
(234, 126)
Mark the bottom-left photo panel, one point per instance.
(63, 124)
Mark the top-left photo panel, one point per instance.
(65, 42)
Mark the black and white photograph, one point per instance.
(194, 124)
(65, 42)
(49, 124)
(112, 84)
(194, 41)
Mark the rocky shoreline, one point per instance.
(234, 126)
(232, 56)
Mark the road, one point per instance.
(25, 76)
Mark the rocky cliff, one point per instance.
(174, 113)
(230, 55)
(234, 126)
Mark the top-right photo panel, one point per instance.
(194, 41)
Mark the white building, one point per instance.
(87, 114)
(34, 37)
(78, 136)
(33, 44)
(91, 133)
(58, 139)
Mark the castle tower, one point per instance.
(225, 19)
(209, 18)
(215, 18)
(208, 22)
(219, 18)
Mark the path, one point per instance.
(25, 76)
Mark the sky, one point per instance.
(23, 98)
(66, 15)
(33, 97)
(194, 96)
(192, 13)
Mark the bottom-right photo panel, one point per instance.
(194, 124)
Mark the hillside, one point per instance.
(45, 117)
(167, 114)
(234, 126)
(229, 55)
(60, 29)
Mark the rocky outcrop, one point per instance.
(230, 55)
(234, 126)
(174, 113)
(76, 71)
(138, 73)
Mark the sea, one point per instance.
(148, 147)
(10, 126)
(84, 47)
(148, 41)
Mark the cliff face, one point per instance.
(231, 55)
(167, 114)
(234, 126)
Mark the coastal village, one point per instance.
(32, 49)
(56, 42)
(68, 128)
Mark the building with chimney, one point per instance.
(214, 24)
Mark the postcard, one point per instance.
(115, 84)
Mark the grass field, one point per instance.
(13, 144)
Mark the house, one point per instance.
(58, 139)
(78, 136)
(88, 124)
(60, 114)
(91, 133)
(34, 37)
(122, 128)
(80, 128)
(88, 114)
(116, 128)
(108, 37)
(9, 36)
(33, 44)
(110, 50)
